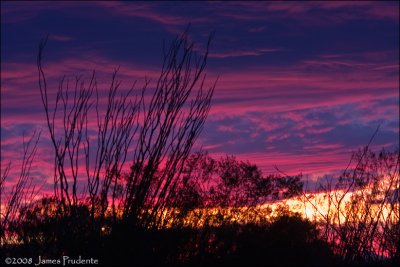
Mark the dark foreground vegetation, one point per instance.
(287, 240)
(146, 199)
(191, 235)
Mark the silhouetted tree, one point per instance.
(22, 193)
(165, 129)
(67, 120)
(168, 133)
(360, 213)
(220, 191)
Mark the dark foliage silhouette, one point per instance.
(228, 183)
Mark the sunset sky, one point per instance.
(301, 84)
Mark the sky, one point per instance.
(301, 84)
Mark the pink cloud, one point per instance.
(258, 29)
(291, 90)
(319, 147)
(319, 131)
(379, 10)
(238, 92)
(289, 7)
(225, 128)
(19, 80)
(340, 11)
(61, 38)
(242, 53)
(171, 22)
(312, 164)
